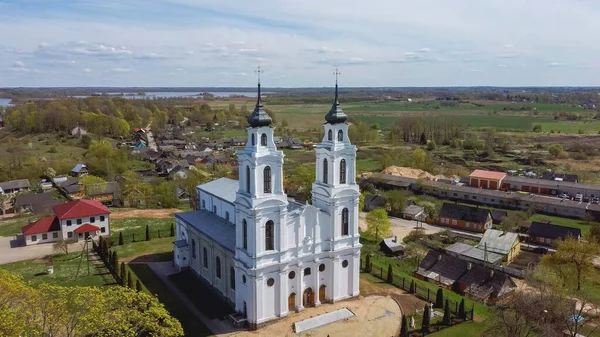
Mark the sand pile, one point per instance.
(408, 172)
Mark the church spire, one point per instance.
(336, 115)
(259, 116)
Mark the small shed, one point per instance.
(498, 216)
(392, 247)
(80, 170)
(373, 201)
(414, 212)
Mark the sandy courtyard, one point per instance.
(145, 213)
(375, 316)
(400, 227)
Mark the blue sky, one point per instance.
(299, 42)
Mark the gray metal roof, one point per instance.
(211, 225)
(259, 116)
(474, 253)
(498, 241)
(9, 185)
(336, 115)
(180, 243)
(223, 188)
(413, 210)
(293, 205)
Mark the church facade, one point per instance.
(268, 255)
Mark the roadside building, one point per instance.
(373, 201)
(442, 269)
(546, 233)
(414, 212)
(391, 246)
(465, 217)
(486, 179)
(80, 170)
(506, 244)
(473, 254)
(36, 204)
(72, 220)
(498, 216)
(14, 186)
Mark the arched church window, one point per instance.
(267, 179)
(270, 235)
(232, 278)
(325, 171)
(193, 249)
(248, 179)
(340, 135)
(330, 135)
(215, 209)
(263, 139)
(245, 233)
(205, 257)
(322, 267)
(306, 271)
(203, 204)
(218, 266)
(345, 221)
(227, 216)
(253, 140)
(343, 171)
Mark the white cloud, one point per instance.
(18, 64)
(121, 70)
(502, 66)
(555, 64)
(86, 70)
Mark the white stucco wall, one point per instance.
(40, 239)
(65, 229)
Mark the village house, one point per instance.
(36, 204)
(14, 186)
(72, 220)
(506, 244)
(546, 233)
(414, 212)
(498, 216)
(288, 142)
(373, 201)
(465, 217)
(473, 254)
(80, 170)
(391, 246)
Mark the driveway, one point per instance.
(9, 255)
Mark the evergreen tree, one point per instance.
(423, 139)
(138, 285)
(115, 262)
(100, 246)
(390, 274)
(426, 318)
(368, 264)
(462, 314)
(110, 257)
(147, 233)
(172, 229)
(412, 287)
(121, 238)
(439, 299)
(404, 327)
(105, 250)
(447, 320)
(123, 274)
(129, 280)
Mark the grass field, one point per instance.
(191, 325)
(65, 270)
(12, 227)
(575, 223)
(157, 249)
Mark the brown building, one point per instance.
(486, 179)
(465, 217)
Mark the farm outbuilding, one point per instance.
(486, 179)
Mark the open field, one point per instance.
(12, 227)
(65, 270)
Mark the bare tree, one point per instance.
(62, 245)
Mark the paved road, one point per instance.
(9, 255)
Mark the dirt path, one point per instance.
(145, 213)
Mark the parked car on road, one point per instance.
(595, 201)
(578, 197)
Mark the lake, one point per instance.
(4, 101)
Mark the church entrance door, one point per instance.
(322, 294)
(292, 302)
(309, 297)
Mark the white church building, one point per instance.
(268, 255)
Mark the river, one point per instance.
(4, 102)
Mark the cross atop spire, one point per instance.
(337, 73)
(336, 114)
(259, 117)
(258, 71)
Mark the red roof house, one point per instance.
(43, 225)
(486, 179)
(79, 209)
(86, 228)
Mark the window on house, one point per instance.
(325, 171)
(232, 278)
(456, 194)
(203, 204)
(55, 235)
(330, 135)
(227, 216)
(474, 197)
(253, 140)
(340, 135)
(102, 218)
(69, 222)
(467, 225)
(92, 219)
(205, 257)
(270, 235)
(79, 221)
(267, 179)
(214, 209)
(218, 266)
(193, 249)
(245, 233)
(34, 238)
(306, 271)
(454, 222)
(44, 236)
(70, 234)
(263, 139)
(248, 179)
(345, 221)
(102, 229)
(343, 171)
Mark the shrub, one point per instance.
(439, 298)
(426, 318)
(412, 287)
(147, 233)
(461, 310)
(121, 238)
(53, 149)
(172, 230)
(390, 274)
(447, 320)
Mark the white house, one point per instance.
(72, 220)
(267, 255)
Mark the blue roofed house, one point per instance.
(80, 170)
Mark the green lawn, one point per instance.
(575, 223)
(191, 325)
(157, 249)
(65, 270)
(468, 329)
(12, 227)
(154, 250)
(368, 165)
